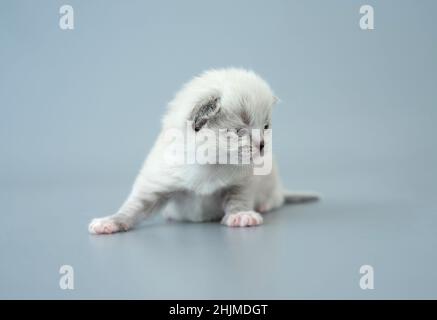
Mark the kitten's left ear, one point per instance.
(203, 111)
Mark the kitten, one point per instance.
(229, 104)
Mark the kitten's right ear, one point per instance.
(203, 111)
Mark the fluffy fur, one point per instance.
(234, 99)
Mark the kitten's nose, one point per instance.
(261, 145)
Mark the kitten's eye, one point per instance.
(266, 126)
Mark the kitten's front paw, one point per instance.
(243, 219)
(106, 225)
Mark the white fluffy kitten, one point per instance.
(237, 100)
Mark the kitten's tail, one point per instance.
(300, 197)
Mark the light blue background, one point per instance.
(80, 109)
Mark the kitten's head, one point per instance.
(237, 105)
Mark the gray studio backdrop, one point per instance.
(80, 108)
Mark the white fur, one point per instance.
(203, 192)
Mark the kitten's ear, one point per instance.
(203, 111)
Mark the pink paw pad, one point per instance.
(100, 226)
(243, 219)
